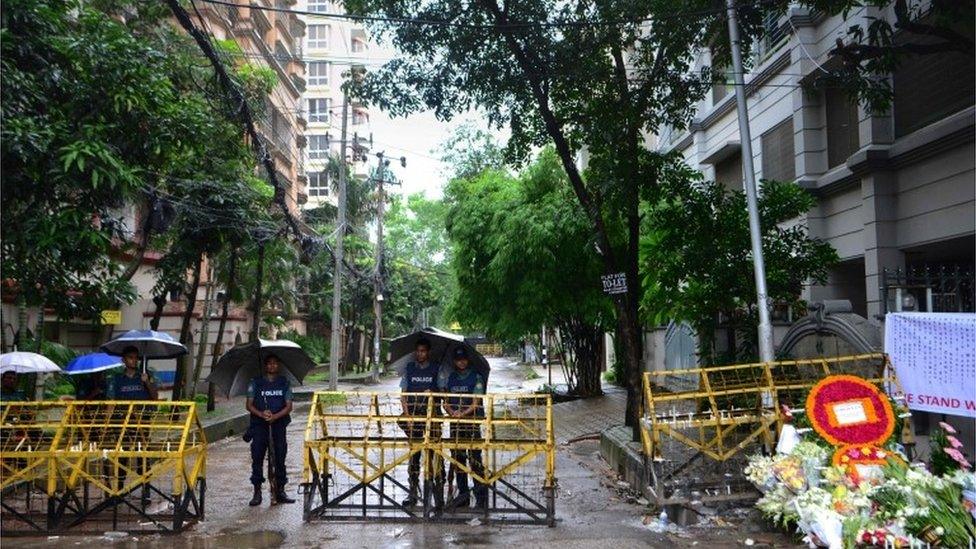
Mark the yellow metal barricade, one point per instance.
(130, 465)
(358, 447)
(730, 412)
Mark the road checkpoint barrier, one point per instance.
(696, 441)
(356, 457)
(85, 467)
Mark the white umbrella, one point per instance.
(151, 344)
(26, 363)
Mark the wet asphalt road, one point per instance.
(590, 512)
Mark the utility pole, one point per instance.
(749, 181)
(378, 278)
(337, 274)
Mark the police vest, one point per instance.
(464, 384)
(130, 388)
(270, 395)
(420, 379)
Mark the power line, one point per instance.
(489, 26)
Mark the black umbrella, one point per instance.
(442, 345)
(237, 367)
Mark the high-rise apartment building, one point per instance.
(333, 48)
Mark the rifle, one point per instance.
(272, 479)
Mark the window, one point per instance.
(928, 88)
(359, 117)
(318, 36)
(318, 73)
(778, 156)
(319, 6)
(728, 172)
(358, 46)
(318, 110)
(318, 184)
(842, 132)
(720, 86)
(318, 146)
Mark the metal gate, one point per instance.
(135, 466)
(696, 441)
(356, 457)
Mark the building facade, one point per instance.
(894, 190)
(333, 48)
(264, 38)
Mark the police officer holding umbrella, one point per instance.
(269, 400)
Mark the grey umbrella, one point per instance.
(442, 345)
(242, 363)
(150, 344)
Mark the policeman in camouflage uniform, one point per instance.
(465, 381)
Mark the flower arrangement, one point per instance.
(863, 492)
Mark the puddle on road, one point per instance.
(262, 539)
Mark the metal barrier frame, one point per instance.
(62, 471)
(321, 504)
(719, 423)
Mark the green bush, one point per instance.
(316, 346)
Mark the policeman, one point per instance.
(92, 387)
(8, 388)
(420, 376)
(269, 401)
(130, 384)
(464, 380)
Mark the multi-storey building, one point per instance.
(895, 190)
(334, 47)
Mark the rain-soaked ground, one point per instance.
(592, 508)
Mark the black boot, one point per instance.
(460, 501)
(438, 500)
(412, 498)
(281, 497)
(256, 500)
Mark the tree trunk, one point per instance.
(184, 361)
(205, 328)
(159, 301)
(584, 340)
(218, 345)
(258, 298)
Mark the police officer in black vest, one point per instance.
(420, 376)
(465, 381)
(269, 401)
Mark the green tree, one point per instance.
(417, 270)
(524, 258)
(695, 251)
(599, 86)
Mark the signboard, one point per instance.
(614, 284)
(934, 356)
(112, 317)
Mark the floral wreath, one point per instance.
(876, 425)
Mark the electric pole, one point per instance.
(378, 277)
(749, 181)
(337, 274)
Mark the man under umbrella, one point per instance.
(419, 376)
(269, 400)
(464, 380)
(131, 384)
(8, 388)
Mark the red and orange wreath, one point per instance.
(848, 410)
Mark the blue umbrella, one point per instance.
(150, 344)
(91, 363)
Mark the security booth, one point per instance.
(87, 467)
(358, 447)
